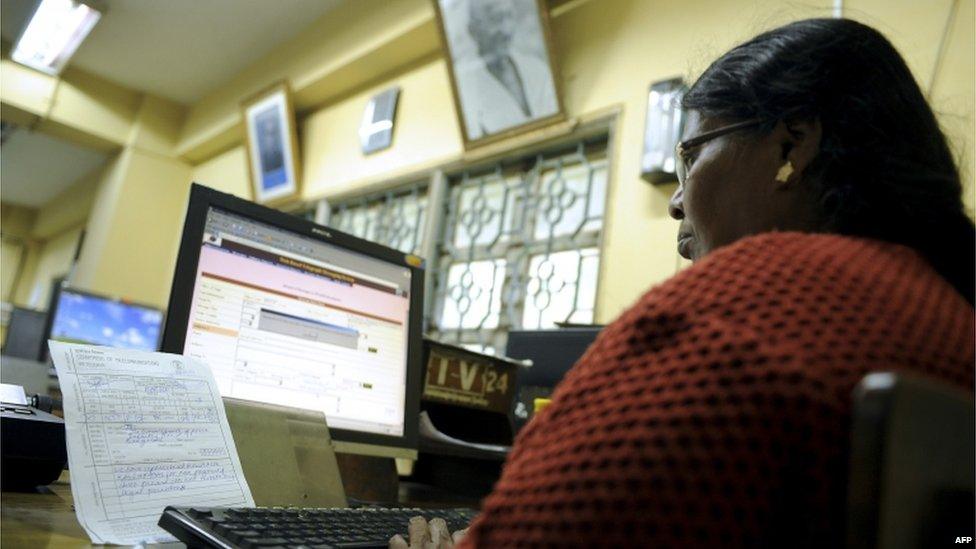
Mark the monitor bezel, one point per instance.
(60, 285)
(203, 198)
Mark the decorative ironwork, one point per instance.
(514, 245)
(394, 218)
(307, 213)
(520, 246)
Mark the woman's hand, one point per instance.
(427, 536)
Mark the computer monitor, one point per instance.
(25, 333)
(552, 352)
(77, 316)
(291, 313)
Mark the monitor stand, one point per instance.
(286, 455)
(370, 478)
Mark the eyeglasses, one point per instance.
(681, 150)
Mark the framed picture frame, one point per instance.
(501, 66)
(271, 141)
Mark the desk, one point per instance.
(45, 519)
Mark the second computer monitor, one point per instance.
(291, 313)
(77, 316)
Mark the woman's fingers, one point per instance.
(438, 530)
(397, 542)
(440, 536)
(427, 536)
(418, 531)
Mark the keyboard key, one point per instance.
(263, 542)
(240, 535)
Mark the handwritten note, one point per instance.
(144, 430)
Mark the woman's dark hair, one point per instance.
(884, 169)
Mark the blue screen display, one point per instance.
(94, 320)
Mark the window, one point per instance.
(516, 243)
(520, 246)
(395, 218)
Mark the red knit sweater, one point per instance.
(716, 411)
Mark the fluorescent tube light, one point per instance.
(53, 34)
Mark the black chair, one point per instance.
(912, 464)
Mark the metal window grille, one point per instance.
(520, 246)
(512, 245)
(395, 218)
(307, 214)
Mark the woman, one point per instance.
(822, 207)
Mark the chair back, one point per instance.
(911, 479)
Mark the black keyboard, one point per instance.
(269, 527)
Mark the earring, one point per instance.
(785, 171)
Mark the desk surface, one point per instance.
(45, 519)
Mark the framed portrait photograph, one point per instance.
(272, 144)
(501, 66)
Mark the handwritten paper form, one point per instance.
(144, 430)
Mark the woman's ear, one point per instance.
(800, 145)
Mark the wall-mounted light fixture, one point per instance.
(53, 34)
(662, 130)
(376, 129)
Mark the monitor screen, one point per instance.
(287, 319)
(81, 317)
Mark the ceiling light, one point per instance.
(53, 34)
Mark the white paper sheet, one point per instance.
(12, 394)
(144, 430)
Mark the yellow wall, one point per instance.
(354, 41)
(426, 133)
(77, 106)
(69, 208)
(16, 221)
(20, 250)
(608, 52)
(131, 208)
(134, 228)
(609, 55)
(12, 254)
(226, 172)
(953, 96)
(332, 161)
(138, 190)
(50, 234)
(54, 262)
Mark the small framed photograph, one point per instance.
(272, 145)
(501, 66)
